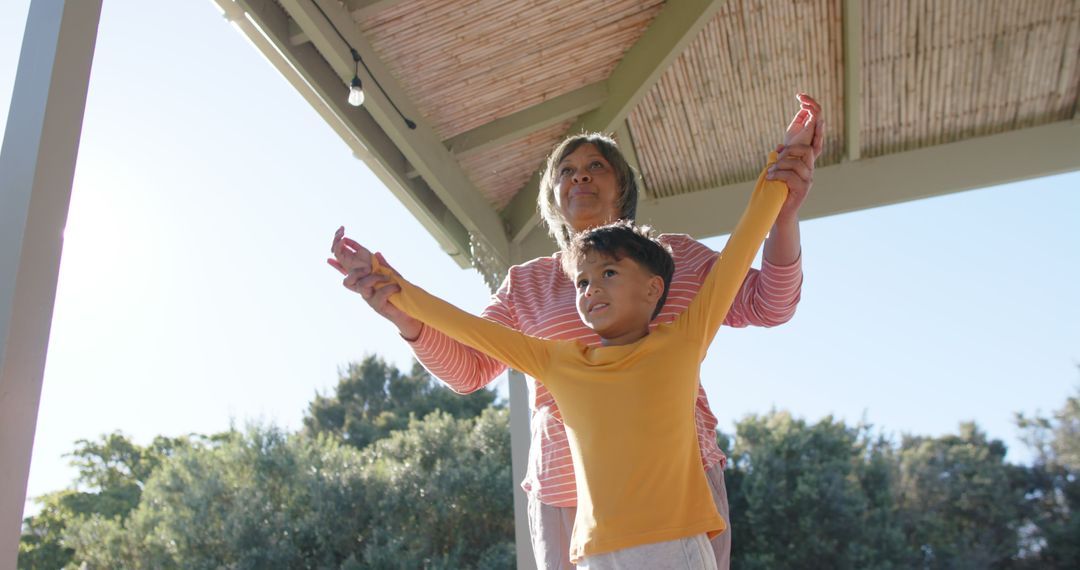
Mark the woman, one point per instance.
(588, 183)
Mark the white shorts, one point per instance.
(550, 528)
(690, 553)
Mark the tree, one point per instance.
(373, 398)
(960, 502)
(111, 474)
(264, 498)
(444, 493)
(258, 499)
(436, 495)
(810, 494)
(1053, 532)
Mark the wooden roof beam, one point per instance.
(297, 37)
(517, 125)
(895, 178)
(677, 24)
(626, 144)
(365, 8)
(421, 146)
(852, 78)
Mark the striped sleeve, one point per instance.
(462, 368)
(768, 297)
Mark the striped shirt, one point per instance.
(538, 299)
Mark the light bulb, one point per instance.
(356, 93)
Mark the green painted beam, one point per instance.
(421, 146)
(852, 78)
(296, 35)
(677, 24)
(626, 144)
(522, 214)
(368, 7)
(269, 30)
(890, 179)
(517, 125)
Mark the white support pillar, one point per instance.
(519, 444)
(37, 165)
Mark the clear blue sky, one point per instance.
(193, 289)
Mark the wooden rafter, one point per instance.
(871, 182)
(640, 68)
(891, 179)
(626, 144)
(362, 8)
(852, 78)
(517, 125)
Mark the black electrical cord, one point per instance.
(356, 57)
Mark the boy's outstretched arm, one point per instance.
(462, 368)
(518, 350)
(707, 311)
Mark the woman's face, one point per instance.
(587, 189)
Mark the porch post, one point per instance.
(37, 165)
(519, 444)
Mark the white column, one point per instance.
(37, 164)
(519, 444)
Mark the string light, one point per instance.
(356, 89)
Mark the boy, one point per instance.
(627, 404)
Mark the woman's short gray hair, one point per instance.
(626, 203)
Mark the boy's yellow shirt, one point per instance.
(628, 410)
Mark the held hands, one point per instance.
(354, 262)
(803, 142)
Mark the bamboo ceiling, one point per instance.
(696, 91)
(938, 72)
(726, 100)
(932, 72)
(467, 63)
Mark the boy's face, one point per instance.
(616, 298)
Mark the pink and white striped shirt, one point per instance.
(538, 299)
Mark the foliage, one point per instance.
(960, 502)
(1052, 539)
(434, 496)
(802, 492)
(111, 474)
(436, 492)
(259, 499)
(443, 492)
(374, 398)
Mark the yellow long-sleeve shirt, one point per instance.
(628, 410)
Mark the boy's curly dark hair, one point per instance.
(624, 239)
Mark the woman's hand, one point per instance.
(803, 143)
(354, 262)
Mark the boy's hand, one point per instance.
(803, 143)
(354, 262)
(801, 130)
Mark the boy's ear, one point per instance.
(656, 287)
